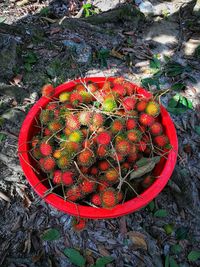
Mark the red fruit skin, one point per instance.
(57, 176)
(87, 186)
(47, 132)
(103, 165)
(156, 129)
(75, 98)
(74, 193)
(148, 181)
(108, 198)
(128, 103)
(97, 120)
(72, 123)
(132, 158)
(126, 165)
(141, 105)
(119, 196)
(102, 185)
(86, 158)
(101, 151)
(123, 147)
(92, 87)
(84, 170)
(104, 138)
(67, 178)
(51, 106)
(146, 119)
(161, 140)
(45, 149)
(48, 90)
(48, 164)
(142, 146)
(79, 224)
(96, 200)
(94, 171)
(131, 124)
(119, 89)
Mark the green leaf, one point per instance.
(173, 69)
(2, 137)
(181, 233)
(2, 19)
(194, 255)
(167, 261)
(103, 261)
(50, 234)
(172, 262)
(155, 63)
(161, 213)
(149, 166)
(179, 104)
(169, 228)
(87, 6)
(197, 129)
(151, 206)
(178, 86)
(148, 82)
(75, 257)
(176, 249)
(45, 11)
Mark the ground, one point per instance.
(53, 42)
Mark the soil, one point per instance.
(53, 42)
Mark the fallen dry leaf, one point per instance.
(122, 225)
(103, 251)
(17, 79)
(116, 54)
(137, 239)
(4, 197)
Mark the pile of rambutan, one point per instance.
(91, 138)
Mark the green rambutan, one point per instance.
(146, 119)
(64, 162)
(64, 97)
(109, 105)
(46, 116)
(76, 136)
(86, 96)
(153, 109)
(36, 153)
(123, 147)
(86, 158)
(134, 135)
(71, 147)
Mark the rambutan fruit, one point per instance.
(57, 177)
(75, 98)
(109, 198)
(67, 131)
(86, 158)
(119, 89)
(118, 157)
(96, 199)
(120, 137)
(85, 117)
(107, 86)
(46, 148)
(48, 164)
(52, 106)
(104, 138)
(48, 90)
(128, 103)
(76, 136)
(35, 141)
(146, 119)
(47, 132)
(119, 80)
(78, 224)
(134, 148)
(156, 129)
(92, 87)
(116, 126)
(84, 170)
(79, 87)
(87, 143)
(119, 196)
(84, 131)
(88, 186)
(142, 146)
(102, 151)
(134, 135)
(132, 158)
(74, 193)
(67, 178)
(141, 105)
(103, 165)
(71, 147)
(55, 126)
(102, 185)
(57, 153)
(86, 96)
(97, 120)
(153, 109)
(94, 170)
(130, 88)
(36, 153)
(109, 105)
(131, 124)
(125, 165)
(73, 123)
(64, 97)
(111, 175)
(123, 147)
(63, 162)
(46, 116)
(148, 180)
(161, 140)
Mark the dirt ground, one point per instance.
(55, 41)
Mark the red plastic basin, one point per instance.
(164, 168)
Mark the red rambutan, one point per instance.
(134, 135)
(129, 103)
(102, 151)
(88, 186)
(103, 165)
(97, 120)
(146, 119)
(72, 123)
(141, 105)
(45, 148)
(119, 89)
(131, 124)
(96, 200)
(78, 224)
(75, 98)
(161, 140)
(104, 138)
(108, 198)
(74, 193)
(48, 90)
(123, 147)
(116, 126)
(156, 129)
(111, 176)
(86, 158)
(48, 164)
